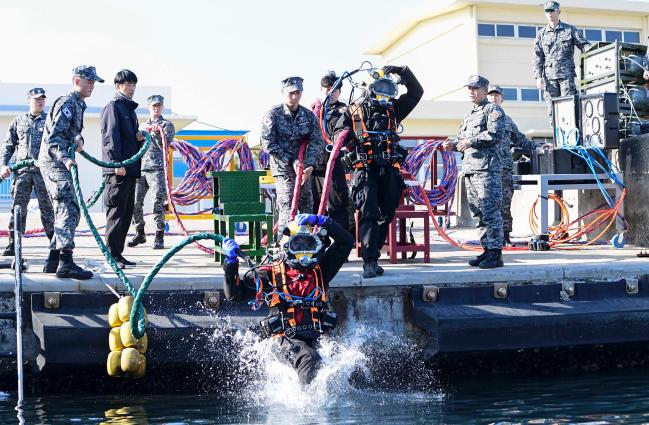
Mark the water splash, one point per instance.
(359, 362)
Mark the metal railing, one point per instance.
(17, 315)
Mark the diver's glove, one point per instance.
(230, 248)
(310, 219)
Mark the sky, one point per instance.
(223, 59)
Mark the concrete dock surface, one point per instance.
(194, 269)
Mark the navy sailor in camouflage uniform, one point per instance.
(63, 127)
(479, 139)
(513, 138)
(153, 174)
(554, 51)
(284, 128)
(24, 139)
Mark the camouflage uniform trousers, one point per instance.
(507, 182)
(557, 88)
(154, 180)
(21, 190)
(484, 191)
(66, 210)
(284, 186)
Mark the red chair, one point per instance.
(397, 233)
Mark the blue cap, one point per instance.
(35, 93)
(88, 72)
(477, 81)
(155, 99)
(551, 6)
(292, 84)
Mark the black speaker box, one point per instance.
(562, 161)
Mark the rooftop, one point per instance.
(432, 9)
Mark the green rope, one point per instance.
(137, 312)
(126, 162)
(86, 214)
(20, 164)
(95, 197)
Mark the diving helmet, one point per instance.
(301, 245)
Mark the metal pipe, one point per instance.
(18, 293)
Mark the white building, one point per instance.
(13, 102)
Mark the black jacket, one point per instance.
(119, 128)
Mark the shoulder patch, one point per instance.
(494, 115)
(66, 111)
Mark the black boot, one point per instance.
(138, 239)
(379, 269)
(68, 270)
(159, 242)
(10, 251)
(506, 239)
(493, 259)
(476, 261)
(52, 262)
(369, 269)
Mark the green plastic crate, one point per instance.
(240, 208)
(236, 186)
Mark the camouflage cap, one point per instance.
(551, 6)
(35, 93)
(495, 89)
(477, 81)
(292, 84)
(155, 99)
(88, 72)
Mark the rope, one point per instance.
(172, 205)
(137, 313)
(421, 156)
(195, 183)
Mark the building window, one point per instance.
(613, 36)
(526, 31)
(505, 30)
(486, 30)
(510, 93)
(593, 34)
(631, 37)
(530, 95)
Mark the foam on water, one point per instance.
(358, 363)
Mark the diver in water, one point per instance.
(294, 285)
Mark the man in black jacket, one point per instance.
(375, 156)
(120, 141)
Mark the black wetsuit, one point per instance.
(376, 190)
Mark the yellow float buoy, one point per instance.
(130, 360)
(124, 306)
(113, 316)
(141, 367)
(126, 336)
(142, 344)
(115, 340)
(113, 364)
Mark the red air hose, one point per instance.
(333, 156)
